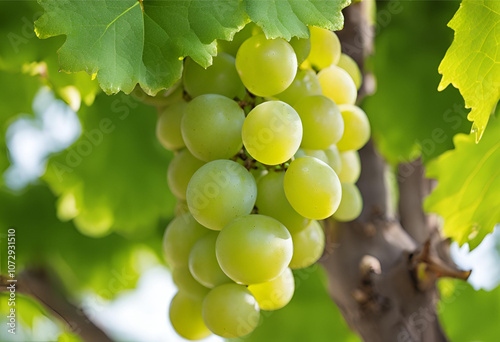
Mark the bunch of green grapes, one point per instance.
(265, 147)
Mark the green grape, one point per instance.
(211, 127)
(351, 204)
(357, 128)
(352, 68)
(274, 294)
(351, 167)
(319, 154)
(266, 66)
(181, 207)
(272, 132)
(312, 188)
(219, 192)
(302, 47)
(321, 121)
(231, 47)
(186, 317)
(219, 78)
(337, 85)
(333, 155)
(308, 246)
(179, 238)
(271, 201)
(306, 83)
(186, 284)
(230, 310)
(203, 262)
(325, 48)
(168, 126)
(254, 249)
(180, 171)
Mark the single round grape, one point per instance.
(186, 284)
(334, 160)
(272, 132)
(274, 294)
(186, 318)
(168, 126)
(254, 249)
(271, 201)
(203, 262)
(179, 238)
(357, 128)
(302, 48)
(231, 47)
(180, 171)
(308, 246)
(337, 85)
(352, 68)
(321, 121)
(312, 188)
(219, 78)
(325, 48)
(351, 204)
(306, 83)
(219, 192)
(230, 310)
(266, 66)
(211, 127)
(319, 154)
(351, 167)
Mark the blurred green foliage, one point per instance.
(114, 176)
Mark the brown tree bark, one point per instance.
(383, 266)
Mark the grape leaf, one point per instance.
(472, 63)
(468, 186)
(126, 42)
(408, 116)
(468, 315)
(289, 18)
(114, 176)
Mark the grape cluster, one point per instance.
(265, 145)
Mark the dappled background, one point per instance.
(84, 184)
